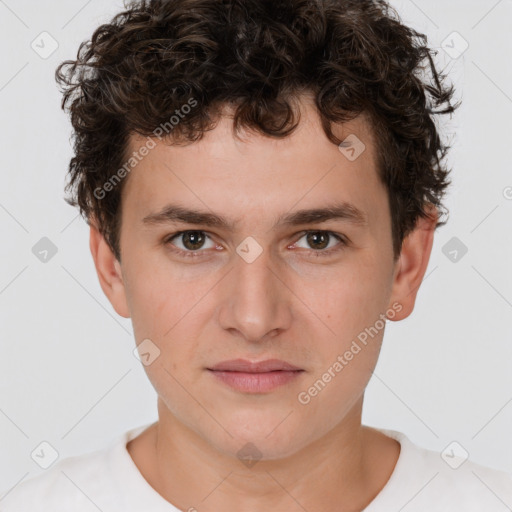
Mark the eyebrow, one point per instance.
(337, 211)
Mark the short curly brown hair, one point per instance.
(352, 56)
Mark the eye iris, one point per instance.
(193, 239)
(313, 238)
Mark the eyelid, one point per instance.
(343, 242)
(168, 239)
(342, 239)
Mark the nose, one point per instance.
(256, 302)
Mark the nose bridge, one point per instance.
(255, 302)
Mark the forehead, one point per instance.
(217, 142)
(253, 173)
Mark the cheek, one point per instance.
(147, 299)
(170, 314)
(350, 347)
(349, 299)
(350, 304)
(156, 299)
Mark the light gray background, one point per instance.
(67, 372)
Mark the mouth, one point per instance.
(255, 377)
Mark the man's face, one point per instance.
(211, 295)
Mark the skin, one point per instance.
(288, 304)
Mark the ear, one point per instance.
(412, 264)
(109, 272)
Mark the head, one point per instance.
(295, 145)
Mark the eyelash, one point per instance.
(318, 253)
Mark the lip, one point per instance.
(255, 377)
(243, 365)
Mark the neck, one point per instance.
(343, 470)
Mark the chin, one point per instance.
(262, 439)
(258, 449)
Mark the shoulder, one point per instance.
(445, 481)
(82, 482)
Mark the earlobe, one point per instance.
(109, 272)
(412, 264)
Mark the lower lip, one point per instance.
(256, 382)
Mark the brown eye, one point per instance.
(193, 240)
(189, 241)
(322, 243)
(318, 239)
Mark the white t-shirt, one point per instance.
(108, 480)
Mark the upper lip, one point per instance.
(243, 365)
